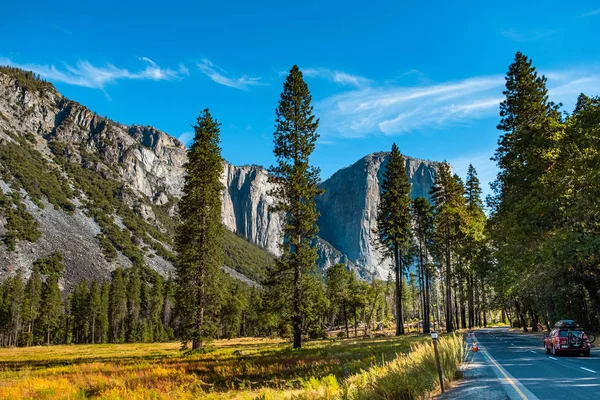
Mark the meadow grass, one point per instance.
(266, 369)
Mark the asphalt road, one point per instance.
(525, 370)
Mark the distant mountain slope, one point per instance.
(102, 193)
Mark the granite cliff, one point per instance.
(348, 207)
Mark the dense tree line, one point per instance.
(134, 305)
(544, 223)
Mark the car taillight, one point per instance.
(563, 340)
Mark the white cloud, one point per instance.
(218, 75)
(392, 109)
(340, 77)
(88, 75)
(590, 13)
(397, 109)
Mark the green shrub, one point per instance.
(20, 224)
(24, 167)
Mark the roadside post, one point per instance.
(434, 339)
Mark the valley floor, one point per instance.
(265, 368)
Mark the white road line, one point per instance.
(532, 351)
(588, 370)
(514, 389)
(552, 358)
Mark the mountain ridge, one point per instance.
(144, 168)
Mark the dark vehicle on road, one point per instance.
(567, 337)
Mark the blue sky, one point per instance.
(426, 75)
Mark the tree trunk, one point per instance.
(93, 329)
(483, 303)
(197, 341)
(449, 316)
(346, 319)
(399, 321)
(521, 316)
(355, 324)
(426, 318)
(471, 300)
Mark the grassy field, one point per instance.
(266, 368)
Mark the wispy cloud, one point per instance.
(397, 109)
(219, 75)
(393, 109)
(183, 70)
(590, 13)
(527, 36)
(88, 75)
(62, 29)
(339, 77)
(186, 137)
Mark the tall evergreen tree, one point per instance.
(296, 186)
(422, 214)
(95, 309)
(339, 282)
(118, 306)
(199, 237)
(523, 210)
(448, 201)
(32, 303)
(80, 311)
(103, 318)
(393, 222)
(52, 305)
(134, 304)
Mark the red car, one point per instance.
(567, 338)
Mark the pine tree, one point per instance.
(523, 210)
(32, 303)
(155, 309)
(103, 319)
(134, 304)
(95, 308)
(448, 202)
(14, 299)
(393, 222)
(51, 307)
(422, 214)
(80, 312)
(118, 306)
(339, 280)
(296, 186)
(199, 237)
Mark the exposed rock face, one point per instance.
(246, 206)
(349, 206)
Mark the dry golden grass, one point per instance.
(267, 369)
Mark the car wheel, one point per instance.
(586, 353)
(547, 349)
